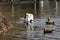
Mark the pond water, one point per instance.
(19, 31)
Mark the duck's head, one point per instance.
(48, 18)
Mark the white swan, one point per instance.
(29, 18)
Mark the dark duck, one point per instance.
(47, 31)
(49, 22)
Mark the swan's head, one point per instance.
(27, 13)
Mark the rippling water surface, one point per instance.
(19, 31)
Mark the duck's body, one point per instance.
(47, 31)
(50, 23)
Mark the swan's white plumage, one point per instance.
(29, 17)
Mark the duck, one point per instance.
(47, 31)
(49, 22)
